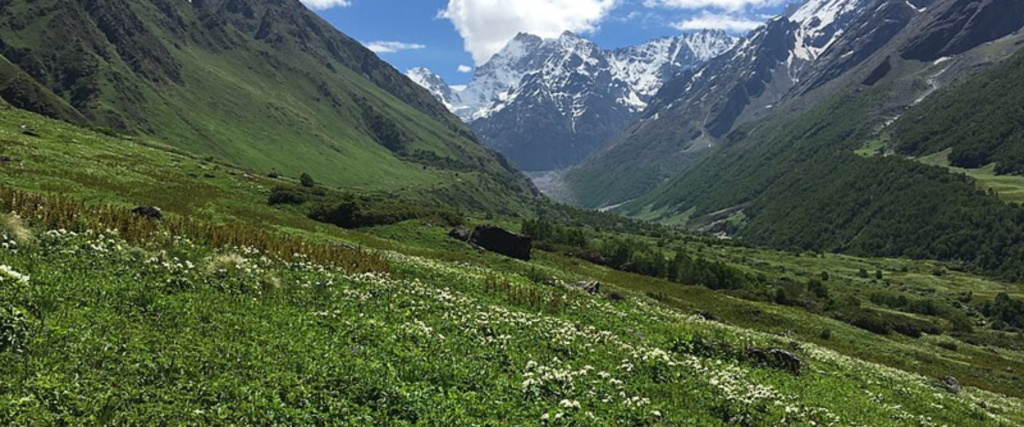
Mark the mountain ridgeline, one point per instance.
(548, 103)
(264, 84)
(800, 136)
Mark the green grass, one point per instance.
(1008, 187)
(872, 148)
(123, 335)
(986, 364)
(117, 331)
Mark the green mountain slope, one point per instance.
(981, 120)
(264, 84)
(798, 183)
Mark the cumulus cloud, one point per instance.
(487, 25)
(465, 69)
(392, 47)
(326, 4)
(732, 5)
(718, 21)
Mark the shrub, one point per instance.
(226, 265)
(13, 226)
(306, 180)
(13, 329)
(538, 276)
(826, 334)
(1004, 311)
(364, 211)
(286, 196)
(867, 320)
(818, 289)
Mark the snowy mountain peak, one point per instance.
(648, 66)
(821, 23)
(569, 35)
(436, 85)
(568, 91)
(707, 44)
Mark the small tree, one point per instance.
(863, 273)
(306, 180)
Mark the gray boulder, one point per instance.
(150, 212)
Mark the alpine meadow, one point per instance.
(623, 213)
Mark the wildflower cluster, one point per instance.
(9, 276)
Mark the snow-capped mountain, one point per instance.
(647, 67)
(821, 23)
(813, 51)
(693, 110)
(436, 85)
(547, 103)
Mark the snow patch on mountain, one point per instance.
(646, 67)
(436, 85)
(821, 23)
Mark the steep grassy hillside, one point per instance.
(264, 84)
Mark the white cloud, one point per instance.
(392, 47)
(326, 4)
(718, 21)
(487, 25)
(465, 69)
(732, 5)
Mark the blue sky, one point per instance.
(449, 35)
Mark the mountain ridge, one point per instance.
(547, 103)
(811, 161)
(264, 84)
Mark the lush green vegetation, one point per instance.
(799, 185)
(981, 120)
(1007, 313)
(232, 311)
(349, 210)
(170, 330)
(268, 86)
(636, 255)
(365, 211)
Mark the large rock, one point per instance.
(951, 385)
(462, 233)
(776, 358)
(502, 241)
(150, 212)
(592, 287)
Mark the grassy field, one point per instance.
(987, 359)
(171, 332)
(236, 313)
(1008, 187)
